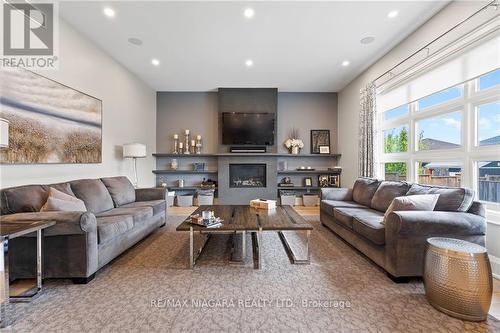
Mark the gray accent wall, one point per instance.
(198, 111)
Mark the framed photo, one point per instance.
(308, 181)
(334, 181)
(323, 180)
(324, 149)
(319, 138)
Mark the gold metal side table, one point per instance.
(457, 278)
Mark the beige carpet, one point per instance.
(343, 290)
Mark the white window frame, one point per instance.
(468, 155)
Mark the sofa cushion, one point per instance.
(59, 201)
(110, 227)
(344, 215)
(158, 206)
(121, 190)
(139, 214)
(368, 223)
(23, 199)
(329, 205)
(93, 193)
(386, 192)
(451, 199)
(364, 189)
(422, 202)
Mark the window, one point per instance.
(395, 171)
(489, 80)
(442, 132)
(489, 181)
(396, 113)
(488, 124)
(440, 97)
(396, 139)
(439, 173)
(448, 144)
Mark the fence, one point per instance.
(489, 190)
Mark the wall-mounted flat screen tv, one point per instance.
(248, 128)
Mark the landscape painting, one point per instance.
(48, 121)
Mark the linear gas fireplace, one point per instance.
(247, 175)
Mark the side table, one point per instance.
(10, 230)
(457, 278)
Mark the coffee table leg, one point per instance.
(191, 248)
(39, 260)
(4, 306)
(259, 246)
(291, 253)
(243, 246)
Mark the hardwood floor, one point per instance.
(309, 211)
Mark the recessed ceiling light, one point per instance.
(367, 40)
(345, 63)
(249, 63)
(135, 41)
(392, 14)
(109, 12)
(155, 62)
(249, 12)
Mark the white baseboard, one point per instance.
(495, 266)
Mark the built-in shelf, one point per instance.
(300, 172)
(246, 154)
(302, 187)
(190, 188)
(184, 172)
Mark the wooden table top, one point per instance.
(246, 218)
(16, 229)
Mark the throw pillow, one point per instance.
(60, 201)
(424, 202)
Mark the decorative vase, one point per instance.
(295, 150)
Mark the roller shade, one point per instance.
(465, 59)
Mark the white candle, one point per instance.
(176, 136)
(193, 143)
(180, 144)
(198, 137)
(187, 131)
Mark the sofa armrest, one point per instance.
(343, 194)
(148, 194)
(67, 223)
(435, 223)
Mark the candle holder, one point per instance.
(199, 145)
(186, 149)
(193, 147)
(176, 144)
(181, 148)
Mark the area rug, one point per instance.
(149, 288)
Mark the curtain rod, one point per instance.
(493, 3)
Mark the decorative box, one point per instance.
(263, 204)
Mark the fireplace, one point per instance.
(247, 175)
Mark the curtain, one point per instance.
(367, 131)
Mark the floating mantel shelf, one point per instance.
(185, 172)
(302, 187)
(246, 154)
(190, 188)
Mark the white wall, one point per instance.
(129, 115)
(348, 109)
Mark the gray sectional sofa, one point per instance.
(117, 216)
(398, 246)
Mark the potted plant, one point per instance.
(294, 144)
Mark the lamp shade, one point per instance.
(134, 150)
(4, 133)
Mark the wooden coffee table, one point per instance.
(241, 219)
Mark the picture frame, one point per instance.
(334, 180)
(319, 137)
(308, 181)
(323, 180)
(324, 150)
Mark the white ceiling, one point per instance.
(295, 46)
